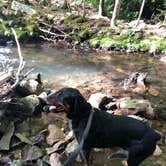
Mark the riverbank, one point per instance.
(64, 29)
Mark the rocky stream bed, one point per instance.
(29, 135)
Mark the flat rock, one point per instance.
(55, 134)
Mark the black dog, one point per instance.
(106, 130)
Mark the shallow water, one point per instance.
(74, 68)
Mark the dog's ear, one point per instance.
(77, 106)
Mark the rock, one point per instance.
(138, 106)
(29, 87)
(4, 122)
(6, 138)
(40, 162)
(163, 59)
(71, 147)
(136, 82)
(157, 151)
(95, 99)
(99, 100)
(59, 146)
(120, 154)
(34, 153)
(55, 134)
(55, 159)
(25, 106)
(24, 139)
(5, 161)
(17, 163)
(23, 8)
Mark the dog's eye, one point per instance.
(59, 93)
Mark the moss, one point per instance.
(72, 19)
(162, 45)
(94, 42)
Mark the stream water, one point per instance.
(61, 68)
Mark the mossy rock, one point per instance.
(24, 107)
(85, 33)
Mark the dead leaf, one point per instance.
(153, 91)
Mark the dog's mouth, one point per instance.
(56, 107)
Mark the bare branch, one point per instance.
(21, 64)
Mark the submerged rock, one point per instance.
(136, 82)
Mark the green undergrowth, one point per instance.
(130, 40)
(26, 26)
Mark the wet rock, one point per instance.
(34, 153)
(136, 82)
(55, 134)
(6, 138)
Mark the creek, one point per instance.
(100, 71)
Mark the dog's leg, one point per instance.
(85, 155)
(142, 150)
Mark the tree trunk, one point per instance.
(140, 13)
(115, 13)
(66, 5)
(101, 8)
(164, 19)
(84, 10)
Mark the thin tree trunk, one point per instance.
(140, 13)
(66, 5)
(164, 19)
(101, 8)
(84, 10)
(115, 13)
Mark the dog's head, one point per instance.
(70, 101)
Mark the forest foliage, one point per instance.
(27, 26)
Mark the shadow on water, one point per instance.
(73, 68)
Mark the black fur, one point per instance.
(107, 130)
